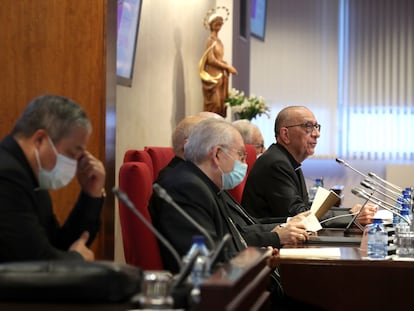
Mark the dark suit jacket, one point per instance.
(212, 208)
(275, 187)
(28, 228)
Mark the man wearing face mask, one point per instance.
(45, 150)
(214, 162)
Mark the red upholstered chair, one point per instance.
(140, 244)
(160, 157)
(134, 155)
(251, 156)
(237, 192)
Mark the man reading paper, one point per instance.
(276, 186)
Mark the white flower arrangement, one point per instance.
(246, 107)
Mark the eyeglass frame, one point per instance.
(307, 126)
(259, 147)
(241, 154)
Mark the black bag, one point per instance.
(68, 281)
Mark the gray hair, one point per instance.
(205, 136)
(57, 115)
(245, 128)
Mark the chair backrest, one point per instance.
(160, 157)
(140, 244)
(237, 192)
(251, 156)
(134, 155)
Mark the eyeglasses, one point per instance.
(259, 147)
(308, 126)
(241, 153)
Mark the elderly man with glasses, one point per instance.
(276, 186)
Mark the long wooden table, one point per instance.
(350, 282)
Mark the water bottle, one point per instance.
(200, 267)
(407, 200)
(312, 192)
(401, 229)
(377, 240)
(398, 208)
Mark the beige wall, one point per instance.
(166, 85)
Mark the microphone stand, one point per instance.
(162, 193)
(368, 185)
(362, 194)
(353, 219)
(373, 175)
(123, 197)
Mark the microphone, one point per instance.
(338, 216)
(376, 183)
(354, 218)
(370, 174)
(367, 184)
(362, 191)
(162, 193)
(342, 162)
(218, 251)
(363, 194)
(123, 197)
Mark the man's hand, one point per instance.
(80, 246)
(367, 213)
(91, 175)
(292, 233)
(300, 217)
(272, 261)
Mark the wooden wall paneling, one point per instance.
(58, 47)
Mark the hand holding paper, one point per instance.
(324, 200)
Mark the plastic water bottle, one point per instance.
(377, 240)
(200, 267)
(398, 208)
(407, 200)
(401, 229)
(312, 192)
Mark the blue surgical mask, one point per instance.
(235, 177)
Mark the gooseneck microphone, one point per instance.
(367, 184)
(162, 193)
(342, 162)
(363, 194)
(395, 187)
(123, 197)
(218, 251)
(372, 175)
(362, 191)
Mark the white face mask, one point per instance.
(60, 175)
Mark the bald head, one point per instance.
(210, 114)
(182, 132)
(297, 129)
(288, 115)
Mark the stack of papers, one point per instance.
(311, 253)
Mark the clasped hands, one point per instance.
(294, 231)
